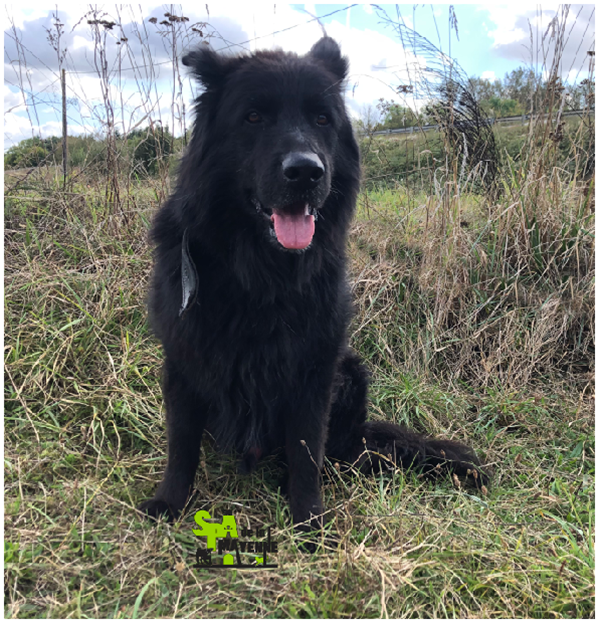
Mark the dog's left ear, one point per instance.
(328, 52)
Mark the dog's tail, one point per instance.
(384, 445)
(376, 445)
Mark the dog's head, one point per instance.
(272, 132)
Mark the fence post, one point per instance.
(64, 129)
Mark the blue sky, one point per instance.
(492, 40)
(473, 48)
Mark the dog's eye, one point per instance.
(253, 117)
(323, 120)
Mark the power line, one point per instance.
(227, 47)
(314, 19)
(51, 104)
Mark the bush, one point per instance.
(149, 147)
(31, 152)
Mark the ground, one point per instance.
(454, 350)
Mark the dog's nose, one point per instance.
(303, 169)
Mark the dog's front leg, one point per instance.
(305, 453)
(305, 437)
(185, 420)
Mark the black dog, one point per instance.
(250, 297)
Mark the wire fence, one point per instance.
(522, 119)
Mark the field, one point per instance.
(475, 315)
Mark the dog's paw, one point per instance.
(155, 508)
(477, 476)
(309, 539)
(313, 541)
(317, 534)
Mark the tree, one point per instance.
(499, 107)
(150, 146)
(483, 89)
(524, 86)
(395, 116)
(369, 120)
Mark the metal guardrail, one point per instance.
(491, 120)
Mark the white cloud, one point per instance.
(489, 75)
(377, 62)
(17, 15)
(13, 100)
(504, 19)
(17, 127)
(524, 34)
(81, 42)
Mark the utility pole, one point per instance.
(64, 129)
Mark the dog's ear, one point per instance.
(209, 67)
(328, 52)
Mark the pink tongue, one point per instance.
(294, 231)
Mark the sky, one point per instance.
(490, 41)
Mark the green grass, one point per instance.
(413, 160)
(85, 440)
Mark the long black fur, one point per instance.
(259, 357)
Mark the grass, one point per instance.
(414, 159)
(476, 318)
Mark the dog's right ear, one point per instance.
(209, 67)
(328, 52)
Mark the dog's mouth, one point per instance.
(292, 225)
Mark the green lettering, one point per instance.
(206, 529)
(229, 526)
